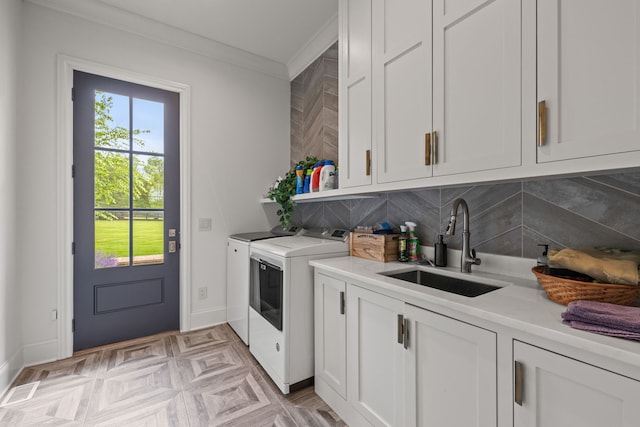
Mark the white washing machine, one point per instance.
(281, 302)
(238, 275)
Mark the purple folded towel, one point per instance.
(601, 317)
(602, 330)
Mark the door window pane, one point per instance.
(111, 120)
(111, 179)
(148, 125)
(111, 238)
(148, 182)
(148, 237)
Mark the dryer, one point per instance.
(238, 275)
(281, 302)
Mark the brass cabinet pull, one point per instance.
(427, 149)
(518, 382)
(405, 333)
(435, 147)
(368, 163)
(542, 123)
(342, 302)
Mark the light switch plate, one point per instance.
(204, 224)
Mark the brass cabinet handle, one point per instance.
(368, 163)
(542, 123)
(435, 147)
(405, 333)
(427, 149)
(518, 382)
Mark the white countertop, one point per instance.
(521, 304)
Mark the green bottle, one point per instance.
(413, 244)
(403, 248)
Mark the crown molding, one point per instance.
(315, 47)
(104, 14)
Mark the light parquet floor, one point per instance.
(201, 378)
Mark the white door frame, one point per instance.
(64, 186)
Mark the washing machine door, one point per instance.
(266, 291)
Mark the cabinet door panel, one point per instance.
(357, 132)
(374, 380)
(402, 88)
(355, 92)
(559, 391)
(330, 333)
(589, 77)
(357, 18)
(451, 371)
(477, 85)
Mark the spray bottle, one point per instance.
(403, 251)
(413, 243)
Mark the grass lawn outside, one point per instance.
(112, 237)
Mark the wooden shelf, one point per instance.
(329, 195)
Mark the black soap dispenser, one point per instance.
(543, 260)
(440, 252)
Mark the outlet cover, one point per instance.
(202, 293)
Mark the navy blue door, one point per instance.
(126, 210)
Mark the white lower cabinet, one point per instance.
(375, 353)
(384, 362)
(330, 333)
(405, 366)
(554, 390)
(450, 372)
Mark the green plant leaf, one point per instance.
(286, 189)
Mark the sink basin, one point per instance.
(443, 283)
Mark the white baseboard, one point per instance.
(207, 318)
(10, 369)
(42, 352)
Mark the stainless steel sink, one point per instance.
(443, 283)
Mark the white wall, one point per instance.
(10, 332)
(239, 142)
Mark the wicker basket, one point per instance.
(564, 291)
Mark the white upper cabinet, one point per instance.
(402, 88)
(588, 74)
(439, 92)
(355, 93)
(477, 85)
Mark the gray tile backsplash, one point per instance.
(507, 218)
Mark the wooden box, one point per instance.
(377, 247)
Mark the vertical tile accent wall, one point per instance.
(314, 109)
(505, 218)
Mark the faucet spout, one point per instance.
(468, 256)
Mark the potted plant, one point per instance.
(285, 189)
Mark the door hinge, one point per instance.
(73, 325)
(73, 248)
(73, 171)
(73, 94)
